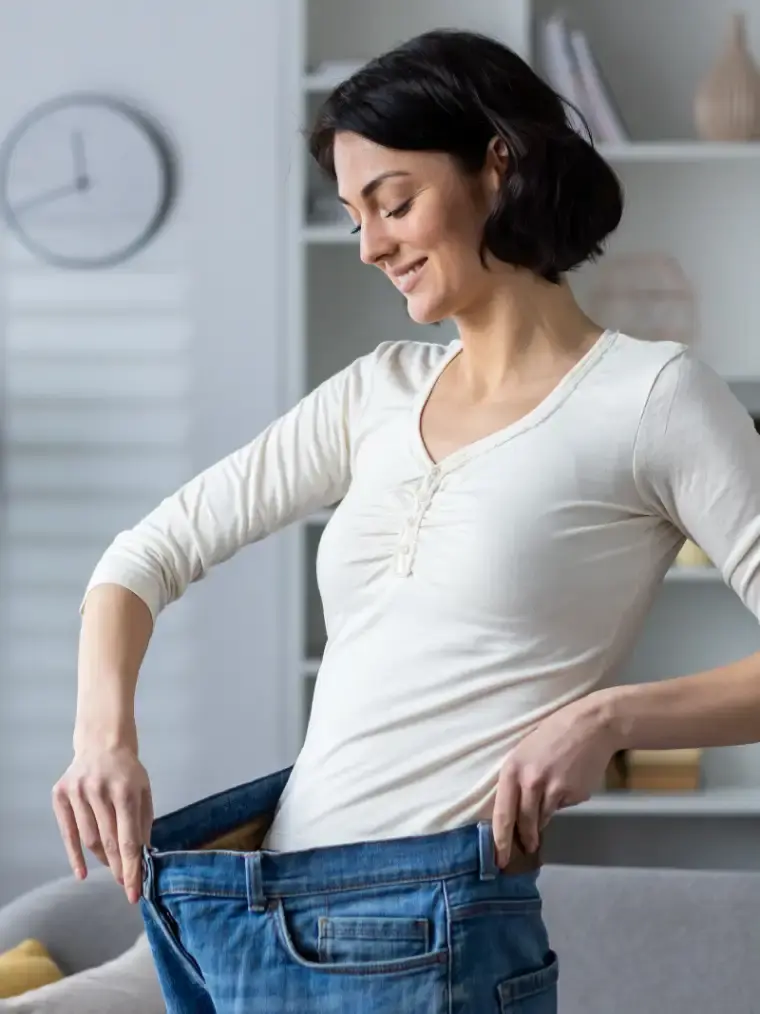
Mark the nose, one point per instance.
(375, 244)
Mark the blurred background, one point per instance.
(173, 275)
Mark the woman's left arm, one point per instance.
(697, 464)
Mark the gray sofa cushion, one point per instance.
(81, 924)
(644, 941)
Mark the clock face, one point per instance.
(86, 181)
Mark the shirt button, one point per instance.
(404, 550)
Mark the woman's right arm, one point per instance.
(301, 462)
(103, 801)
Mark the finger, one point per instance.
(504, 815)
(128, 826)
(553, 801)
(67, 827)
(105, 819)
(147, 816)
(529, 813)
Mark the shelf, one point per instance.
(705, 803)
(319, 517)
(695, 575)
(329, 234)
(680, 151)
(325, 81)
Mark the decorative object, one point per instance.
(615, 776)
(663, 770)
(86, 181)
(645, 294)
(727, 102)
(654, 771)
(25, 967)
(692, 556)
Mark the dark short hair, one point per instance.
(454, 91)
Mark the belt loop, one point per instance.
(254, 882)
(487, 851)
(148, 874)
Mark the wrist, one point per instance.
(606, 711)
(98, 732)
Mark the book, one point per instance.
(572, 69)
(602, 109)
(562, 71)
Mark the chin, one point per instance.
(426, 311)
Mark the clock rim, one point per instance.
(158, 141)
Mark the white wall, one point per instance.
(211, 75)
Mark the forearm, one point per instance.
(116, 630)
(719, 707)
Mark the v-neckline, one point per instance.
(544, 408)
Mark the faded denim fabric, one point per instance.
(423, 925)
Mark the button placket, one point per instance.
(408, 542)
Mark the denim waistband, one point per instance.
(176, 863)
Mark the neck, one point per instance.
(524, 329)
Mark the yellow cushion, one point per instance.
(27, 966)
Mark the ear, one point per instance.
(496, 163)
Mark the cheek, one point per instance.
(456, 242)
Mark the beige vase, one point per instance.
(727, 102)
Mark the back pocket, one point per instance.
(356, 940)
(532, 992)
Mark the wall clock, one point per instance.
(86, 181)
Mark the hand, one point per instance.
(558, 764)
(104, 802)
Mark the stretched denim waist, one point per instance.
(187, 853)
(261, 875)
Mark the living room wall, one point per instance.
(210, 702)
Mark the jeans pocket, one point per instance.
(363, 945)
(531, 992)
(357, 940)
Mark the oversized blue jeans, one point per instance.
(419, 925)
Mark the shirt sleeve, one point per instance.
(697, 463)
(299, 463)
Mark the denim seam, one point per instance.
(167, 892)
(178, 949)
(313, 892)
(505, 906)
(450, 975)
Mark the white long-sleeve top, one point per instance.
(465, 600)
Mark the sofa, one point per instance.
(630, 941)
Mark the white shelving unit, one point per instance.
(698, 201)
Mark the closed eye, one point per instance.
(397, 212)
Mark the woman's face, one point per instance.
(420, 220)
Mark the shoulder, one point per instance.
(403, 366)
(651, 378)
(640, 361)
(412, 363)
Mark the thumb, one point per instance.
(505, 814)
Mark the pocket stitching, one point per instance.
(327, 925)
(421, 961)
(506, 906)
(520, 987)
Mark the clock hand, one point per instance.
(46, 198)
(81, 177)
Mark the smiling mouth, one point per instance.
(408, 279)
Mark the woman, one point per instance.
(509, 505)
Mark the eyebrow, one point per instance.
(369, 188)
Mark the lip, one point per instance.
(406, 285)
